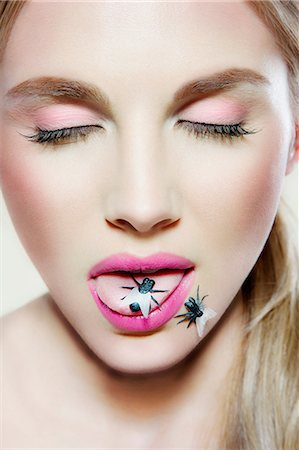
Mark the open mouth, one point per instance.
(120, 291)
(141, 301)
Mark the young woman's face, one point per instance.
(142, 182)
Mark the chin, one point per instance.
(142, 355)
(140, 366)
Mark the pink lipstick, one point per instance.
(113, 278)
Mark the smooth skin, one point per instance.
(141, 186)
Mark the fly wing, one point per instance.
(144, 301)
(209, 313)
(201, 321)
(132, 297)
(200, 325)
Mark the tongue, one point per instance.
(111, 289)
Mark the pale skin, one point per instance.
(70, 378)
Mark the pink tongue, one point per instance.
(110, 290)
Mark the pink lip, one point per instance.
(129, 263)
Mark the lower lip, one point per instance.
(158, 317)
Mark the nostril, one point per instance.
(120, 223)
(125, 224)
(166, 223)
(144, 228)
(142, 209)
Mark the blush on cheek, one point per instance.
(242, 197)
(63, 116)
(261, 192)
(29, 194)
(215, 111)
(27, 206)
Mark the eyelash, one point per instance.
(214, 131)
(62, 135)
(207, 130)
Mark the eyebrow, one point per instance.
(62, 88)
(57, 88)
(221, 81)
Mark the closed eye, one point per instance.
(63, 135)
(197, 129)
(216, 131)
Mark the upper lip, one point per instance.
(129, 263)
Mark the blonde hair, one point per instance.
(281, 17)
(262, 410)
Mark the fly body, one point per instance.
(198, 313)
(140, 296)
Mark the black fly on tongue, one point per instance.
(140, 296)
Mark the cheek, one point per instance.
(38, 188)
(232, 202)
(238, 201)
(254, 207)
(24, 189)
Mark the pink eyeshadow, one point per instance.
(63, 116)
(215, 111)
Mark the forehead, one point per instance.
(135, 42)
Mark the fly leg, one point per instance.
(187, 316)
(157, 290)
(155, 301)
(126, 287)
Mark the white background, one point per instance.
(20, 281)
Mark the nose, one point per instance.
(144, 199)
